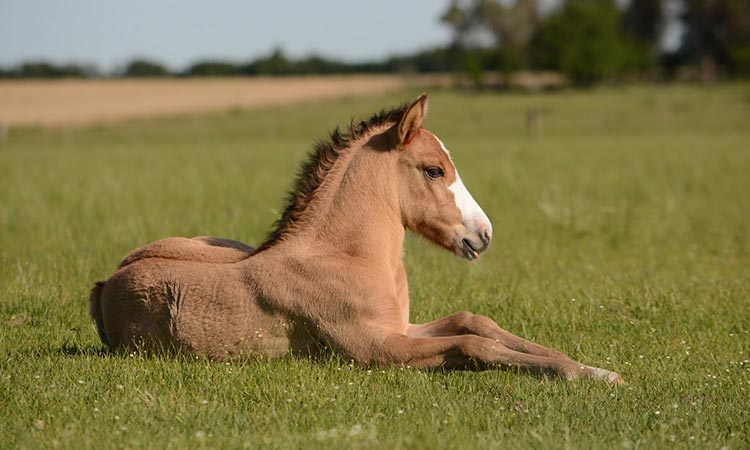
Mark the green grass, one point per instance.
(622, 237)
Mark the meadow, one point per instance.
(621, 236)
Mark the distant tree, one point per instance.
(643, 24)
(717, 34)
(144, 68)
(43, 69)
(213, 69)
(584, 40)
(457, 18)
(316, 64)
(274, 64)
(426, 61)
(511, 25)
(490, 34)
(461, 54)
(39, 69)
(644, 19)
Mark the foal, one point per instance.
(332, 271)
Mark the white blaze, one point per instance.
(471, 214)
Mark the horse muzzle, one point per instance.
(472, 243)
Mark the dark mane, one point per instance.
(319, 162)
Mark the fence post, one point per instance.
(533, 122)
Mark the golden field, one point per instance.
(63, 103)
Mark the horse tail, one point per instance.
(95, 310)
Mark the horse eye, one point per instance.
(434, 172)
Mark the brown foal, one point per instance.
(331, 275)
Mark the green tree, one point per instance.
(43, 69)
(456, 17)
(274, 64)
(144, 68)
(643, 24)
(213, 69)
(491, 34)
(717, 35)
(512, 25)
(584, 40)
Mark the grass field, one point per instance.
(622, 237)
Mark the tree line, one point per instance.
(592, 40)
(587, 40)
(276, 63)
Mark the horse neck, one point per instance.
(356, 209)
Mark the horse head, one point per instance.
(434, 201)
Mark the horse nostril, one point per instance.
(485, 237)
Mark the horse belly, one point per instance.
(201, 309)
(230, 326)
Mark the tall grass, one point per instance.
(622, 237)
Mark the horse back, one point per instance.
(206, 249)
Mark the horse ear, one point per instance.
(412, 120)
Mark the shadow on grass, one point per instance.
(322, 356)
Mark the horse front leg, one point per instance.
(466, 323)
(470, 350)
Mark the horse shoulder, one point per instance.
(326, 290)
(207, 249)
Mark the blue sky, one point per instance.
(110, 33)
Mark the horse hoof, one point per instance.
(608, 376)
(614, 379)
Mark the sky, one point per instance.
(110, 33)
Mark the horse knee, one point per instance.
(462, 322)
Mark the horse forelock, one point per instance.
(321, 159)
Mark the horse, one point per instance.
(330, 276)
